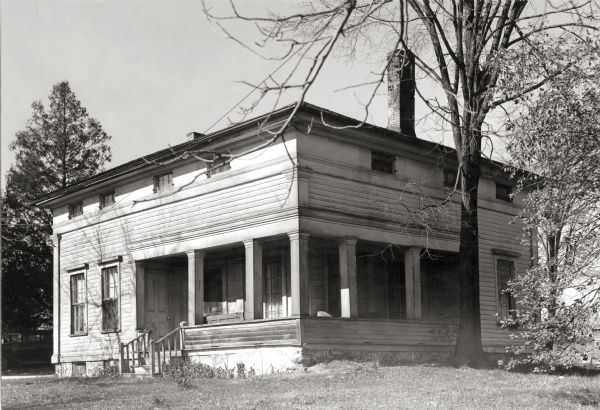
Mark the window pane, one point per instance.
(382, 162)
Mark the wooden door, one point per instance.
(157, 315)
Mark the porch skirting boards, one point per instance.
(279, 345)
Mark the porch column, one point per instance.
(195, 287)
(348, 287)
(412, 272)
(299, 276)
(56, 300)
(139, 288)
(254, 281)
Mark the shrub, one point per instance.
(186, 370)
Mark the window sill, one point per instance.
(78, 334)
(104, 332)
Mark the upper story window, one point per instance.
(214, 169)
(504, 192)
(75, 210)
(450, 179)
(382, 162)
(163, 182)
(106, 199)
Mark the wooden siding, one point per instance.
(368, 334)
(344, 199)
(235, 203)
(250, 334)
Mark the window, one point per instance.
(110, 299)
(214, 169)
(505, 271)
(382, 162)
(163, 182)
(503, 192)
(78, 310)
(274, 288)
(106, 199)
(75, 210)
(450, 179)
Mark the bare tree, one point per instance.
(462, 46)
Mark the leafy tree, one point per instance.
(558, 138)
(460, 47)
(61, 145)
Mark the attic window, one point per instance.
(450, 179)
(504, 192)
(75, 210)
(106, 199)
(162, 182)
(382, 162)
(214, 169)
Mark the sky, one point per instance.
(150, 71)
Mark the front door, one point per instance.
(157, 302)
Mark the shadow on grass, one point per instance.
(583, 396)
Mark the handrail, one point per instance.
(139, 347)
(167, 347)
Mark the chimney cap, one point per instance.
(195, 135)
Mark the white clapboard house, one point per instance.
(308, 248)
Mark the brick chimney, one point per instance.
(401, 92)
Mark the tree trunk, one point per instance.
(468, 344)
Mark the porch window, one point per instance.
(381, 285)
(78, 305)
(75, 210)
(505, 271)
(110, 299)
(382, 162)
(162, 182)
(106, 199)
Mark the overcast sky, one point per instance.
(150, 71)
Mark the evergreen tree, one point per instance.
(61, 145)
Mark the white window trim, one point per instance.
(110, 264)
(83, 270)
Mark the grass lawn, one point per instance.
(331, 386)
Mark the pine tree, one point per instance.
(61, 145)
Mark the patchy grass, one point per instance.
(334, 385)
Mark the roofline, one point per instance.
(145, 162)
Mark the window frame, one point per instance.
(73, 206)
(212, 169)
(72, 274)
(103, 267)
(508, 257)
(509, 188)
(380, 157)
(102, 203)
(156, 188)
(454, 173)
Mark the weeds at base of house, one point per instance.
(186, 371)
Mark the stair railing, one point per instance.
(167, 347)
(135, 352)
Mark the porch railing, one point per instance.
(136, 352)
(166, 348)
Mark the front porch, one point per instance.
(268, 345)
(296, 298)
